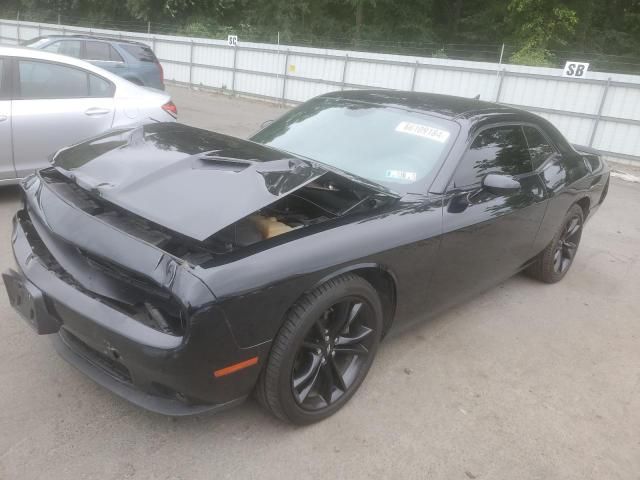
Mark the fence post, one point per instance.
(344, 71)
(233, 70)
(191, 64)
(39, 31)
(284, 79)
(148, 28)
(153, 43)
(58, 18)
(415, 75)
(18, 27)
(501, 75)
(600, 110)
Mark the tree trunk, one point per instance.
(457, 14)
(584, 27)
(359, 15)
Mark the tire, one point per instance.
(553, 263)
(323, 351)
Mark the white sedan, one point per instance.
(49, 101)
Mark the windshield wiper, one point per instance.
(351, 176)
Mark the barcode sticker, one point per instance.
(423, 131)
(402, 175)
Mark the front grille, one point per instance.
(151, 295)
(98, 359)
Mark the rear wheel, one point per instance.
(323, 351)
(554, 262)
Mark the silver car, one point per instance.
(48, 101)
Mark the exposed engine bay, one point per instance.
(328, 197)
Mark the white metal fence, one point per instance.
(602, 110)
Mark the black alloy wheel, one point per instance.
(567, 244)
(553, 263)
(323, 351)
(333, 354)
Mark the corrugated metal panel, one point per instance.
(209, 77)
(572, 105)
(622, 103)
(313, 67)
(299, 91)
(619, 138)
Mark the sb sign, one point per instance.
(575, 69)
(232, 40)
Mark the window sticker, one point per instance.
(402, 175)
(423, 131)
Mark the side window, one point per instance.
(495, 150)
(539, 148)
(52, 47)
(51, 80)
(71, 48)
(114, 55)
(65, 47)
(99, 87)
(97, 51)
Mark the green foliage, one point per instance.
(535, 31)
(532, 56)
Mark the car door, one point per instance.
(6, 150)
(55, 105)
(487, 235)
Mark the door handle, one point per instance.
(96, 112)
(3, 118)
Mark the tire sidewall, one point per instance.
(575, 210)
(354, 287)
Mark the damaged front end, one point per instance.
(112, 238)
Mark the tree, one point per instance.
(540, 24)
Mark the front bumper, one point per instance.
(167, 374)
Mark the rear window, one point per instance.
(140, 52)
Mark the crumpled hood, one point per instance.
(189, 180)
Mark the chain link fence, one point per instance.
(629, 64)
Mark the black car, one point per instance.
(184, 269)
(133, 61)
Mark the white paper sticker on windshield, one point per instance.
(423, 131)
(402, 175)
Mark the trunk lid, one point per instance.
(188, 180)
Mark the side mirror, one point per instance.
(500, 184)
(266, 123)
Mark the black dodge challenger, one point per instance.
(184, 269)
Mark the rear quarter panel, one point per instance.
(569, 179)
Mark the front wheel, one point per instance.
(554, 262)
(323, 351)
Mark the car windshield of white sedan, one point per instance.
(387, 145)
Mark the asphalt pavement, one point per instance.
(527, 381)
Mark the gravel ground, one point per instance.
(527, 381)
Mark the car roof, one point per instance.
(445, 106)
(91, 37)
(24, 52)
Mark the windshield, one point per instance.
(391, 146)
